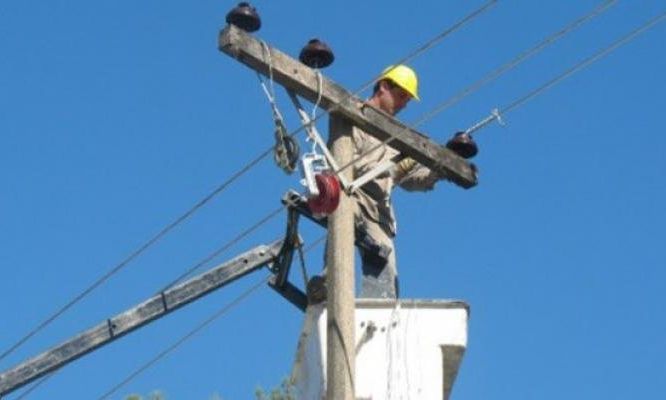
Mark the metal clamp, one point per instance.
(312, 164)
(313, 134)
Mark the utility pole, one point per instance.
(340, 304)
(347, 111)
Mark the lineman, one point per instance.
(374, 219)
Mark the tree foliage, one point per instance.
(284, 392)
(156, 395)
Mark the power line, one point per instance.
(595, 57)
(224, 247)
(496, 114)
(117, 268)
(34, 386)
(132, 256)
(490, 76)
(411, 56)
(516, 61)
(208, 258)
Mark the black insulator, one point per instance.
(463, 145)
(316, 54)
(245, 17)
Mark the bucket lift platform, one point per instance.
(405, 349)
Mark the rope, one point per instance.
(428, 45)
(320, 92)
(393, 377)
(286, 149)
(313, 116)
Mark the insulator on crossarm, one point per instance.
(463, 145)
(316, 54)
(245, 17)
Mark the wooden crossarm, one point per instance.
(301, 79)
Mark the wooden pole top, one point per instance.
(303, 80)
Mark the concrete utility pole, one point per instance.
(347, 110)
(340, 275)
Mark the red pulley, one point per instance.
(329, 195)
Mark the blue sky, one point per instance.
(117, 117)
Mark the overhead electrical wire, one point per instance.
(224, 247)
(198, 265)
(497, 113)
(118, 267)
(183, 339)
(584, 63)
(131, 257)
(35, 386)
(522, 57)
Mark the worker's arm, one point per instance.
(413, 176)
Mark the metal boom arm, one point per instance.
(138, 316)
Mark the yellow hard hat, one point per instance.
(404, 77)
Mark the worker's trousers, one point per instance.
(378, 262)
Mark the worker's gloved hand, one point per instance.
(405, 165)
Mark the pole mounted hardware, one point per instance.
(322, 186)
(316, 54)
(463, 143)
(306, 82)
(245, 17)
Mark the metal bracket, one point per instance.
(314, 135)
(312, 164)
(282, 264)
(381, 168)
